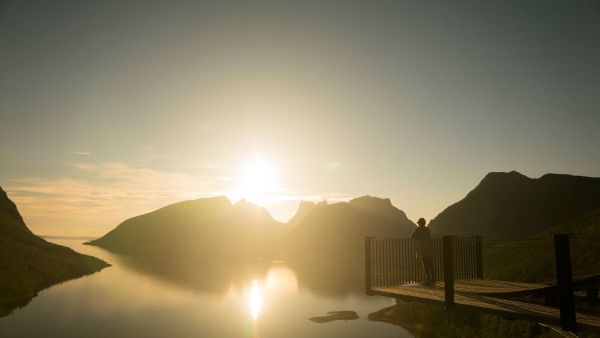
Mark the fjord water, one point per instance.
(126, 300)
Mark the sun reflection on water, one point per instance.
(255, 299)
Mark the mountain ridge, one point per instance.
(511, 204)
(331, 236)
(204, 227)
(29, 264)
(245, 226)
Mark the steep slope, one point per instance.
(511, 204)
(304, 208)
(29, 264)
(202, 230)
(334, 234)
(533, 260)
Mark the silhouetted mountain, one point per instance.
(205, 230)
(199, 243)
(29, 264)
(304, 208)
(511, 204)
(381, 207)
(331, 237)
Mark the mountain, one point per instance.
(29, 264)
(333, 234)
(304, 208)
(198, 243)
(381, 207)
(207, 230)
(511, 205)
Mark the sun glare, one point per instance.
(258, 180)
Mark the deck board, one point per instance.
(476, 294)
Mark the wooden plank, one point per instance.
(490, 287)
(507, 289)
(497, 288)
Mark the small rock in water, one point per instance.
(335, 315)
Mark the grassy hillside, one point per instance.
(29, 264)
(532, 260)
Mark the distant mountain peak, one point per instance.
(500, 175)
(376, 205)
(220, 198)
(196, 227)
(244, 203)
(501, 180)
(553, 176)
(372, 200)
(9, 211)
(307, 204)
(336, 231)
(30, 260)
(251, 209)
(304, 208)
(508, 204)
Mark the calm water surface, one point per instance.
(124, 301)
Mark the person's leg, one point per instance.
(429, 271)
(424, 264)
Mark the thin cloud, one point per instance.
(209, 165)
(99, 196)
(95, 197)
(81, 153)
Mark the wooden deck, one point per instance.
(477, 294)
(496, 288)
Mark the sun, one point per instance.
(258, 181)
(259, 175)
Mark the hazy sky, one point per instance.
(113, 108)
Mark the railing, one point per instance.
(392, 262)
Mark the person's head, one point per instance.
(421, 222)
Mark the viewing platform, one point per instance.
(394, 270)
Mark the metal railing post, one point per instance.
(479, 257)
(448, 272)
(368, 268)
(564, 279)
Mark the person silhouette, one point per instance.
(424, 250)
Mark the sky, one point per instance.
(110, 109)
